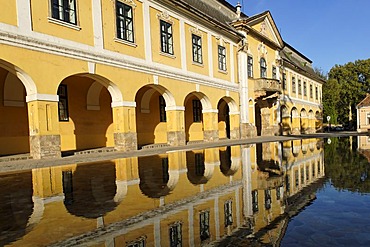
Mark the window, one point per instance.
(197, 49)
(221, 58)
(165, 175)
(278, 193)
(311, 91)
(64, 10)
(255, 201)
(267, 199)
(307, 173)
(63, 103)
(67, 187)
(228, 211)
(140, 242)
(287, 183)
(296, 178)
(316, 93)
(124, 19)
(263, 68)
(197, 111)
(302, 175)
(162, 109)
(166, 37)
(368, 118)
(175, 232)
(284, 81)
(204, 225)
(293, 85)
(313, 170)
(274, 72)
(199, 164)
(299, 87)
(304, 88)
(250, 66)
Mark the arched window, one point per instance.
(263, 68)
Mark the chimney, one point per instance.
(238, 9)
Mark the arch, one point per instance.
(285, 120)
(13, 91)
(311, 121)
(26, 80)
(82, 129)
(204, 100)
(167, 95)
(151, 114)
(304, 123)
(295, 121)
(227, 128)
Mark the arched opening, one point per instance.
(195, 103)
(14, 125)
(311, 122)
(155, 176)
(223, 120)
(198, 171)
(285, 120)
(151, 115)
(228, 122)
(89, 191)
(304, 121)
(318, 121)
(295, 121)
(85, 112)
(258, 119)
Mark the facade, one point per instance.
(131, 74)
(363, 115)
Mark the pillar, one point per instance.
(234, 125)
(44, 126)
(210, 125)
(175, 125)
(125, 136)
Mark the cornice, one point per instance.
(100, 56)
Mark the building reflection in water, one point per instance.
(179, 198)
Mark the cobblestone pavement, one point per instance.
(27, 164)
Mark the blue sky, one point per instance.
(328, 32)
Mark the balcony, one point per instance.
(264, 85)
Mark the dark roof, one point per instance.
(211, 11)
(289, 58)
(364, 102)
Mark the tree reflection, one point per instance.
(347, 168)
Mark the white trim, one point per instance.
(232, 65)
(64, 24)
(227, 93)
(42, 97)
(210, 111)
(299, 101)
(147, 32)
(123, 103)
(91, 66)
(234, 113)
(217, 218)
(24, 15)
(197, 88)
(183, 46)
(191, 224)
(97, 24)
(210, 55)
(157, 232)
(175, 108)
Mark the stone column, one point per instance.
(44, 126)
(210, 125)
(124, 121)
(175, 125)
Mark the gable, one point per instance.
(265, 25)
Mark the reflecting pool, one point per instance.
(298, 193)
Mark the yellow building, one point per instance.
(127, 74)
(363, 115)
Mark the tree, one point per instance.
(351, 81)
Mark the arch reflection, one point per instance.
(89, 190)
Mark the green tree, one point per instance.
(353, 82)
